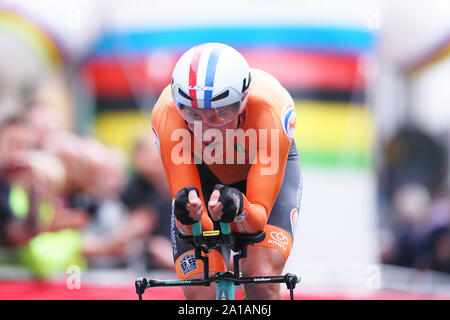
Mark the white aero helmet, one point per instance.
(210, 83)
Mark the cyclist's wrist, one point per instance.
(182, 214)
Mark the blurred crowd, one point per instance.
(67, 199)
(415, 202)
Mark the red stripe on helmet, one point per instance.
(193, 68)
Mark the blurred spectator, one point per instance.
(439, 213)
(32, 181)
(414, 214)
(147, 218)
(419, 235)
(16, 140)
(45, 123)
(50, 136)
(109, 241)
(439, 246)
(36, 223)
(438, 241)
(412, 156)
(95, 181)
(105, 169)
(58, 181)
(147, 197)
(410, 208)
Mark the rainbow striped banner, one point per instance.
(322, 67)
(33, 35)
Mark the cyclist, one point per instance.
(225, 135)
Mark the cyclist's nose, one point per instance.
(209, 117)
(206, 126)
(212, 118)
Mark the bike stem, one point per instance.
(201, 245)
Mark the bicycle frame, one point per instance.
(225, 281)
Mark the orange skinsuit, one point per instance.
(263, 170)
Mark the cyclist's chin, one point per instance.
(212, 144)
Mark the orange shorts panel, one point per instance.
(278, 239)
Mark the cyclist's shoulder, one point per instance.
(163, 103)
(267, 93)
(268, 101)
(164, 111)
(262, 77)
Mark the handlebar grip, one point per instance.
(225, 228)
(197, 229)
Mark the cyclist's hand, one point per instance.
(225, 203)
(215, 206)
(194, 206)
(188, 207)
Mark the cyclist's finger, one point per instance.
(216, 210)
(196, 214)
(214, 207)
(191, 207)
(193, 198)
(195, 203)
(214, 197)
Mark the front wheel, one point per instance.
(222, 295)
(225, 290)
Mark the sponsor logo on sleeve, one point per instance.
(237, 202)
(288, 119)
(241, 217)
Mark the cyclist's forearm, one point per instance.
(253, 218)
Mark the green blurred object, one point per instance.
(46, 213)
(18, 202)
(48, 252)
(52, 252)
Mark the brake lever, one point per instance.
(291, 281)
(141, 285)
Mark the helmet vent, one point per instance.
(246, 84)
(221, 96)
(184, 95)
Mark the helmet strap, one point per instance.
(243, 117)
